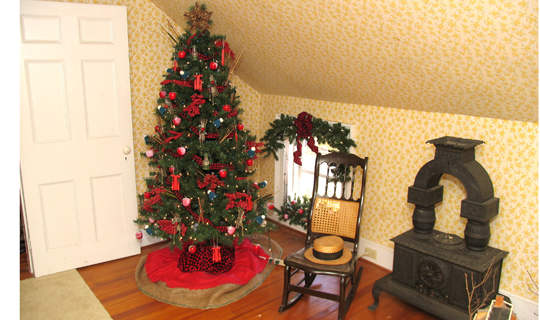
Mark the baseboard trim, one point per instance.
(149, 240)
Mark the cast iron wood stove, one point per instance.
(430, 266)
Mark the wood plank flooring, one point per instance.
(114, 285)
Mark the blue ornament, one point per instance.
(212, 195)
(149, 231)
(217, 123)
(263, 184)
(259, 219)
(161, 110)
(146, 139)
(170, 70)
(251, 153)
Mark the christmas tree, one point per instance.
(199, 195)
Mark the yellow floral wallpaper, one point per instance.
(462, 57)
(394, 140)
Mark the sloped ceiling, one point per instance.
(475, 58)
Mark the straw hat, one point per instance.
(328, 250)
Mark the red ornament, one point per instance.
(181, 54)
(249, 162)
(240, 126)
(222, 173)
(271, 207)
(172, 95)
(162, 94)
(171, 169)
(138, 235)
(213, 65)
(192, 249)
(300, 211)
(147, 195)
(181, 151)
(227, 108)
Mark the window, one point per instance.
(292, 180)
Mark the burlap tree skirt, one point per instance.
(215, 297)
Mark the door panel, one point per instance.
(78, 185)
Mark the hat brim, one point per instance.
(345, 257)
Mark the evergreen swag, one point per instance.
(201, 155)
(295, 212)
(305, 127)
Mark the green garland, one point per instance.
(335, 135)
(295, 212)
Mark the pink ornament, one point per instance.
(186, 202)
(293, 202)
(138, 235)
(285, 216)
(181, 151)
(300, 211)
(177, 120)
(231, 230)
(151, 220)
(162, 94)
(149, 153)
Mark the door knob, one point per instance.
(127, 150)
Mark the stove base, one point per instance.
(411, 296)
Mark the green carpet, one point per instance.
(62, 295)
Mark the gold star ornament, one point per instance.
(198, 18)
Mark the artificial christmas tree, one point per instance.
(199, 195)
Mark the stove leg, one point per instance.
(375, 292)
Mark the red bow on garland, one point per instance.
(303, 131)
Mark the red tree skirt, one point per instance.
(162, 265)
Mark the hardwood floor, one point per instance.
(114, 285)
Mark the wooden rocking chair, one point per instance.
(336, 213)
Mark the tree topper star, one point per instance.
(198, 18)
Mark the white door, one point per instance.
(77, 164)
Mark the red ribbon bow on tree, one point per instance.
(167, 226)
(193, 108)
(304, 126)
(210, 180)
(240, 200)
